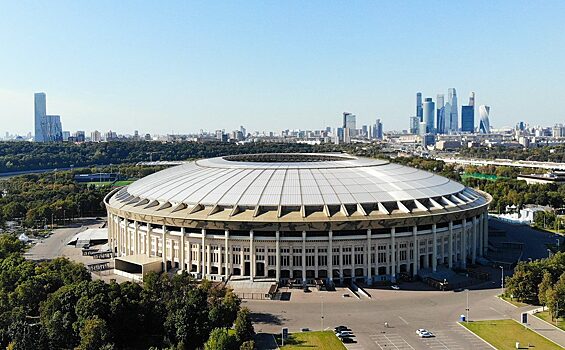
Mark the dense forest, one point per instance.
(542, 154)
(22, 156)
(56, 305)
(42, 199)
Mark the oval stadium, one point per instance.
(296, 216)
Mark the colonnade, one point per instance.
(368, 255)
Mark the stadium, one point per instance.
(296, 216)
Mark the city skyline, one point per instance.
(273, 66)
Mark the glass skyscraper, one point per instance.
(453, 119)
(467, 118)
(429, 114)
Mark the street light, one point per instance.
(467, 309)
(502, 278)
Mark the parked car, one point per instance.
(424, 333)
(345, 295)
(347, 340)
(305, 329)
(343, 334)
(395, 287)
(341, 328)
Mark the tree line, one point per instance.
(22, 156)
(56, 305)
(541, 154)
(540, 282)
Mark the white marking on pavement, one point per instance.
(403, 320)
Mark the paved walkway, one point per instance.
(547, 330)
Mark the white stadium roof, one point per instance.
(274, 180)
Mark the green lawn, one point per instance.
(123, 183)
(512, 301)
(547, 318)
(313, 340)
(480, 176)
(99, 183)
(503, 335)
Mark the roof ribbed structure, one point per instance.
(304, 183)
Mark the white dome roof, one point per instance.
(275, 180)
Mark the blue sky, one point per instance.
(182, 66)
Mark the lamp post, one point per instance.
(467, 309)
(322, 312)
(502, 278)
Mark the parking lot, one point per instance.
(404, 311)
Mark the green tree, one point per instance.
(543, 287)
(243, 326)
(94, 335)
(220, 339)
(248, 345)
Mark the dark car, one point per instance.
(341, 328)
(347, 340)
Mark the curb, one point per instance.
(506, 301)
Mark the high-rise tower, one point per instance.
(429, 114)
(440, 114)
(40, 102)
(454, 115)
(419, 110)
(468, 115)
(484, 123)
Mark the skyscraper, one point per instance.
(484, 124)
(40, 102)
(47, 128)
(429, 114)
(414, 122)
(419, 110)
(472, 99)
(467, 118)
(349, 122)
(378, 130)
(440, 110)
(453, 115)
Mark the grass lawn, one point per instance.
(123, 183)
(312, 340)
(503, 335)
(547, 318)
(99, 183)
(512, 301)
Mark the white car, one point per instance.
(424, 333)
(395, 287)
(344, 334)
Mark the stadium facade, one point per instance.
(298, 216)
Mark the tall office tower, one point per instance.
(40, 114)
(472, 99)
(349, 121)
(440, 111)
(414, 122)
(364, 131)
(467, 118)
(453, 115)
(429, 114)
(419, 110)
(379, 130)
(484, 124)
(53, 130)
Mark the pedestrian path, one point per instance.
(545, 329)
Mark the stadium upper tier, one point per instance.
(293, 185)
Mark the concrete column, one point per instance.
(474, 237)
(434, 254)
(464, 245)
(136, 237)
(485, 234)
(182, 248)
(148, 240)
(304, 257)
(242, 261)
(227, 269)
(164, 248)
(368, 275)
(393, 254)
(481, 235)
(208, 259)
(316, 262)
(416, 251)
(442, 239)
(291, 260)
(341, 262)
(450, 260)
(330, 255)
(251, 256)
(278, 256)
(202, 254)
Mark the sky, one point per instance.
(181, 66)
